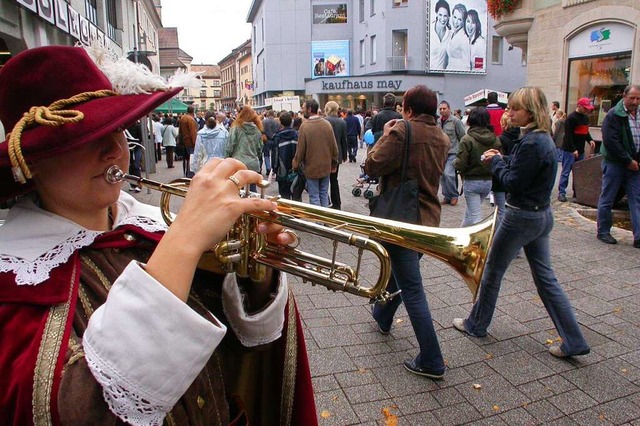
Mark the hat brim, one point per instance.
(101, 117)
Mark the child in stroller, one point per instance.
(361, 181)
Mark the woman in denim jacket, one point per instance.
(528, 175)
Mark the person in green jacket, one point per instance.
(245, 140)
(475, 174)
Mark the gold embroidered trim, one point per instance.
(47, 358)
(84, 300)
(290, 365)
(103, 279)
(76, 353)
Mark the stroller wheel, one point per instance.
(368, 194)
(356, 192)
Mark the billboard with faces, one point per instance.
(458, 36)
(330, 58)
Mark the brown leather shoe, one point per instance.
(454, 201)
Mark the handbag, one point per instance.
(402, 202)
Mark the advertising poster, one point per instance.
(458, 36)
(330, 58)
(330, 13)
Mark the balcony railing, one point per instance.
(399, 63)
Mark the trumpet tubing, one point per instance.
(247, 253)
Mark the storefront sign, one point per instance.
(602, 39)
(66, 18)
(481, 95)
(354, 84)
(330, 14)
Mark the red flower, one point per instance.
(499, 8)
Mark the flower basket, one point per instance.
(499, 8)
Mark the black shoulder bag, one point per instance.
(402, 202)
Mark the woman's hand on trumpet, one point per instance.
(210, 209)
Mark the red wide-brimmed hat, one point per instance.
(55, 99)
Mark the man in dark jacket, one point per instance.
(340, 132)
(270, 125)
(387, 113)
(576, 134)
(285, 143)
(621, 152)
(353, 131)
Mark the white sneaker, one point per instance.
(137, 189)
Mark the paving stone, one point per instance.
(365, 393)
(620, 411)
(598, 382)
(372, 411)
(329, 361)
(517, 416)
(336, 407)
(334, 336)
(447, 396)
(419, 419)
(519, 367)
(325, 383)
(591, 417)
(457, 414)
(543, 411)
(466, 352)
(572, 401)
(398, 382)
(495, 392)
(358, 377)
(417, 403)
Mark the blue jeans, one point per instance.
(448, 179)
(613, 176)
(474, 192)
(318, 191)
(405, 275)
(499, 198)
(567, 163)
(520, 228)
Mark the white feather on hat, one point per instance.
(129, 78)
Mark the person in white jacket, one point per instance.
(211, 142)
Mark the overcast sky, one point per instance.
(208, 29)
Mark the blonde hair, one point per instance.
(561, 113)
(532, 100)
(331, 108)
(247, 115)
(504, 120)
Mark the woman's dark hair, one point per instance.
(211, 122)
(168, 120)
(442, 4)
(476, 20)
(479, 117)
(420, 100)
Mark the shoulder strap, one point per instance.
(407, 142)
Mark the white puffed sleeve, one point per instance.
(261, 328)
(145, 347)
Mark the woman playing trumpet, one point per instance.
(104, 316)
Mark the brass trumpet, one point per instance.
(246, 252)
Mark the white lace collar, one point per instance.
(34, 241)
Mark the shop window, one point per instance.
(400, 3)
(496, 50)
(601, 79)
(112, 20)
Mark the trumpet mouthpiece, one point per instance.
(113, 174)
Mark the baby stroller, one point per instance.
(363, 185)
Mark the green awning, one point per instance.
(173, 105)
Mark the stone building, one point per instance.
(210, 94)
(172, 58)
(578, 48)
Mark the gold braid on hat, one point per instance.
(52, 116)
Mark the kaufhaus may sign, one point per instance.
(359, 84)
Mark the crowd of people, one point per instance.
(104, 308)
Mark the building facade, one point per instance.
(210, 94)
(578, 48)
(228, 69)
(355, 51)
(126, 27)
(245, 75)
(172, 58)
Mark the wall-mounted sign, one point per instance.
(458, 37)
(330, 13)
(65, 17)
(361, 84)
(601, 39)
(330, 58)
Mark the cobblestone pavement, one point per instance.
(506, 378)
